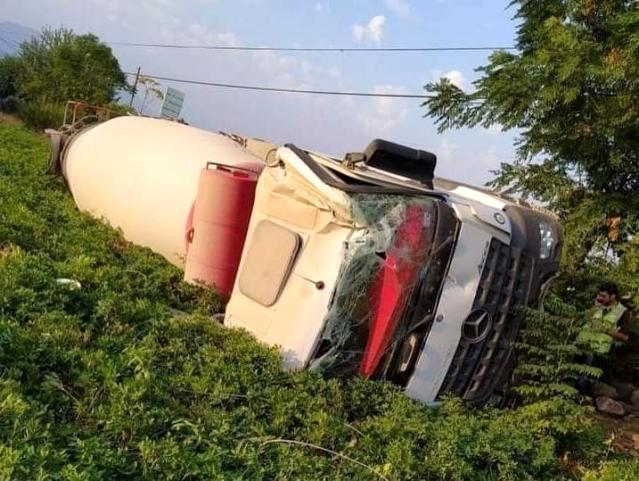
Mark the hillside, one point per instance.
(12, 35)
(113, 369)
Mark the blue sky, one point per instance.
(332, 125)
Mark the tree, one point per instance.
(571, 91)
(59, 65)
(9, 72)
(152, 89)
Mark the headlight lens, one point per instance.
(547, 240)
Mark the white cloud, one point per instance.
(467, 163)
(495, 129)
(333, 125)
(197, 33)
(319, 8)
(380, 115)
(327, 124)
(385, 106)
(446, 150)
(398, 7)
(455, 76)
(372, 31)
(488, 158)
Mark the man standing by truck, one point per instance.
(606, 335)
(605, 322)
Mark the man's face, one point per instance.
(605, 299)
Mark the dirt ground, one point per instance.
(9, 119)
(623, 433)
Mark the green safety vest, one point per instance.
(602, 319)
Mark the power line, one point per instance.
(311, 49)
(295, 49)
(288, 90)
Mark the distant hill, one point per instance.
(12, 35)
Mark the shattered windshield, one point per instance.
(381, 269)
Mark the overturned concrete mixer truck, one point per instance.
(366, 265)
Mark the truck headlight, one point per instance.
(547, 240)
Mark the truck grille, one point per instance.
(481, 363)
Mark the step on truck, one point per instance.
(366, 265)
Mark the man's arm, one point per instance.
(618, 335)
(622, 333)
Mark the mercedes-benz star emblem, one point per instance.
(500, 218)
(477, 326)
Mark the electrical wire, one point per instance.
(287, 90)
(299, 49)
(311, 49)
(296, 49)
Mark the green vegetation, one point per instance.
(60, 65)
(111, 367)
(56, 67)
(549, 355)
(571, 92)
(614, 471)
(126, 377)
(9, 71)
(41, 114)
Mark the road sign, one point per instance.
(172, 105)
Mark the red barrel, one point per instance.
(220, 219)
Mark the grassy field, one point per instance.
(127, 377)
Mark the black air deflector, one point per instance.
(398, 159)
(329, 178)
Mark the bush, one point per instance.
(548, 356)
(622, 470)
(10, 68)
(119, 109)
(60, 65)
(9, 105)
(41, 114)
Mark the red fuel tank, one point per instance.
(216, 231)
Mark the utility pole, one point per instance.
(135, 87)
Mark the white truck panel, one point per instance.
(456, 301)
(294, 322)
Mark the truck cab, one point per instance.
(371, 266)
(368, 265)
